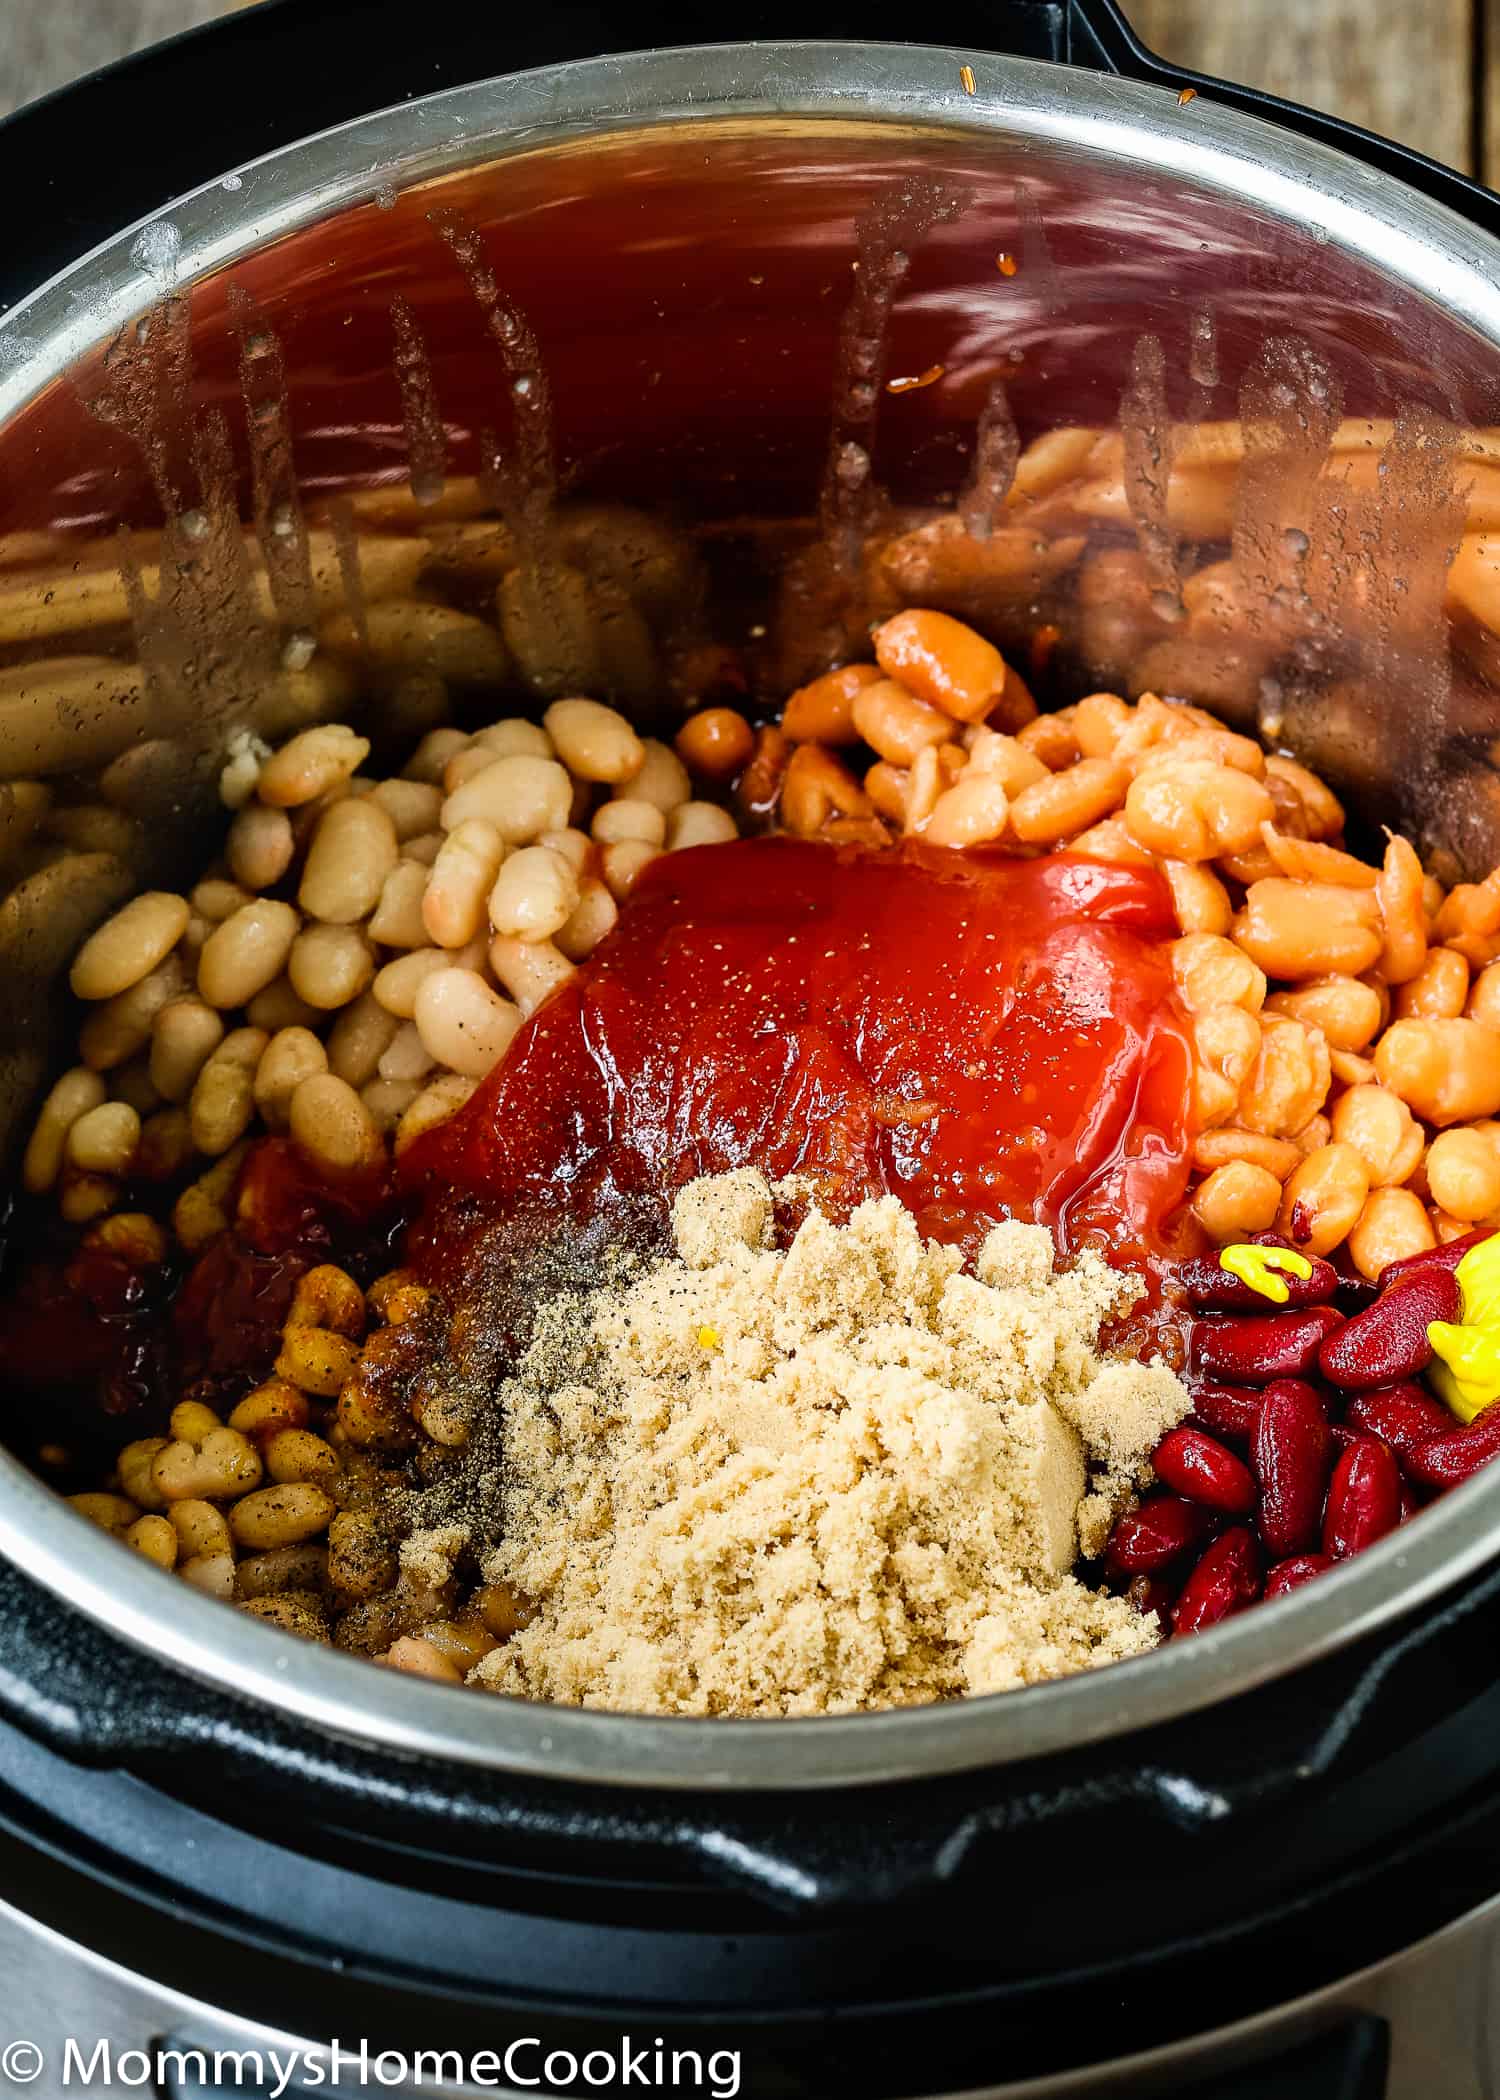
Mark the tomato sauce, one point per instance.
(985, 1038)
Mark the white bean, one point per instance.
(118, 1028)
(521, 796)
(461, 879)
(359, 1038)
(535, 893)
(594, 742)
(463, 765)
(699, 824)
(662, 779)
(215, 898)
(398, 920)
(353, 850)
(260, 845)
(515, 737)
(244, 954)
(74, 1095)
(184, 1035)
(623, 864)
(462, 1023)
(592, 917)
(103, 1141)
(575, 846)
(434, 1105)
(330, 965)
(396, 986)
(425, 847)
(278, 1006)
(292, 1055)
(432, 754)
(406, 1057)
(529, 970)
(129, 946)
(222, 1104)
(311, 764)
(387, 1101)
(629, 819)
(332, 1125)
(411, 805)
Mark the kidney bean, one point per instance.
(1212, 1289)
(1402, 1415)
(1153, 1598)
(1444, 1461)
(1364, 1498)
(1201, 1470)
(1228, 1410)
(1291, 1454)
(1225, 1581)
(1152, 1536)
(1389, 1342)
(1433, 1258)
(1253, 1352)
(1291, 1574)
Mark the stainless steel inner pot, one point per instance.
(680, 226)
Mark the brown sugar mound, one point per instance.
(841, 1477)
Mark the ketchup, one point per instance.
(983, 1037)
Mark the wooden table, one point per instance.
(1422, 71)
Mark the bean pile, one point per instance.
(367, 948)
(364, 952)
(1346, 1016)
(1340, 1442)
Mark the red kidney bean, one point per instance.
(1153, 1598)
(1403, 1415)
(1202, 1470)
(1389, 1342)
(1444, 1461)
(1291, 1574)
(1364, 1498)
(1228, 1410)
(1152, 1536)
(1213, 1289)
(1226, 1579)
(1291, 1454)
(1433, 1258)
(1253, 1352)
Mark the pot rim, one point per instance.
(1419, 243)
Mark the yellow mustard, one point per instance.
(1257, 1267)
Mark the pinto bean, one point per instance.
(1308, 929)
(1447, 1071)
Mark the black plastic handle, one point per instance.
(1101, 35)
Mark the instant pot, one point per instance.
(1263, 1861)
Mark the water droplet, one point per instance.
(523, 384)
(1295, 541)
(385, 197)
(298, 650)
(231, 182)
(193, 525)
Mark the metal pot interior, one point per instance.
(682, 233)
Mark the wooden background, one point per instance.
(1418, 70)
